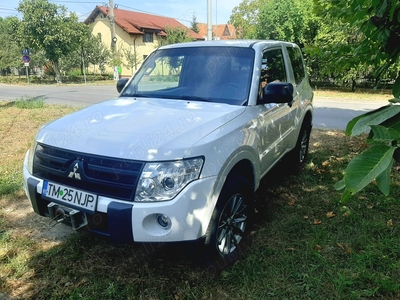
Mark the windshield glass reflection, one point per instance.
(210, 74)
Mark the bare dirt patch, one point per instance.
(22, 221)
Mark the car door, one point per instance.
(301, 89)
(274, 118)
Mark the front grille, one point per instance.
(105, 176)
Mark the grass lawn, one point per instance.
(305, 243)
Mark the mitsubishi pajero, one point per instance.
(179, 154)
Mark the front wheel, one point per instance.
(299, 154)
(230, 222)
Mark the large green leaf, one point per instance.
(362, 123)
(383, 180)
(393, 123)
(340, 185)
(366, 167)
(384, 134)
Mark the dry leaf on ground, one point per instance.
(330, 214)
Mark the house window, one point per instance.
(148, 37)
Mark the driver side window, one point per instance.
(273, 67)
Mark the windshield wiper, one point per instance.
(187, 97)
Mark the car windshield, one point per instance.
(210, 74)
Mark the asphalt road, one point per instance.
(335, 113)
(77, 95)
(329, 113)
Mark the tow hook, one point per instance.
(61, 214)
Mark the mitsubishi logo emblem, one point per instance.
(74, 173)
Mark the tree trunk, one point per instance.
(82, 60)
(82, 66)
(57, 71)
(353, 85)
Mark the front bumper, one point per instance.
(189, 213)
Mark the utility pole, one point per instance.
(216, 20)
(113, 38)
(112, 25)
(209, 22)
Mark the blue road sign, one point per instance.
(26, 58)
(26, 51)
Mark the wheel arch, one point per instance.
(308, 118)
(245, 169)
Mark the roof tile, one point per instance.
(136, 22)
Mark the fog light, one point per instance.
(164, 221)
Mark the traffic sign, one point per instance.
(26, 51)
(26, 59)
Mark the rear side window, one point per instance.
(297, 64)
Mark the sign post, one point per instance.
(26, 59)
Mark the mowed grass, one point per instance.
(305, 244)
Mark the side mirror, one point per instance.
(121, 84)
(278, 92)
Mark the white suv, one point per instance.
(179, 154)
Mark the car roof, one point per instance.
(230, 43)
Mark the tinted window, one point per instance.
(297, 64)
(273, 67)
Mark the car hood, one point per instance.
(141, 129)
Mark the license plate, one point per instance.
(70, 196)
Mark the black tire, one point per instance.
(299, 154)
(230, 223)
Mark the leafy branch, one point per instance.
(380, 24)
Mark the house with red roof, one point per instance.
(137, 34)
(219, 32)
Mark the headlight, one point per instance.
(164, 180)
(31, 156)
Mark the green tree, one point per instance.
(132, 58)
(245, 18)
(77, 58)
(288, 20)
(48, 27)
(379, 22)
(331, 52)
(194, 24)
(91, 52)
(175, 35)
(340, 50)
(96, 53)
(10, 51)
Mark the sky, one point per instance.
(181, 10)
